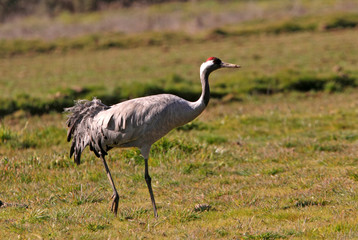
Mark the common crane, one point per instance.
(138, 122)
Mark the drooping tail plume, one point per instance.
(79, 122)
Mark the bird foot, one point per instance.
(114, 207)
(155, 213)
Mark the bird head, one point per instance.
(214, 63)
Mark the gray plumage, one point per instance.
(80, 123)
(138, 123)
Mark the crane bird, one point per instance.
(138, 122)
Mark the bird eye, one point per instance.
(217, 61)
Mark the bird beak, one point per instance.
(229, 65)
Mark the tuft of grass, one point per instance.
(94, 227)
(60, 163)
(213, 139)
(5, 134)
(38, 216)
(185, 216)
(188, 169)
(274, 171)
(341, 23)
(165, 145)
(353, 175)
(306, 203)
(222, 232)
(18, 228)
(328, 147)
(266, 236)
(132, 213)
(195, 125)
(302, 203)
(133, 156)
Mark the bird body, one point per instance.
(137, 122)
(143, 121)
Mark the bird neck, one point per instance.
(203, 101)
(205, 93)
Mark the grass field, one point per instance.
(265, 168)
(274, 156)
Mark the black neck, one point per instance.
(205, 87)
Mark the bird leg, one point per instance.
(148, 180)
(115, 195)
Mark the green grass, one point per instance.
(298, 180)
(272, 157)
(51, 87)
(100, 41)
